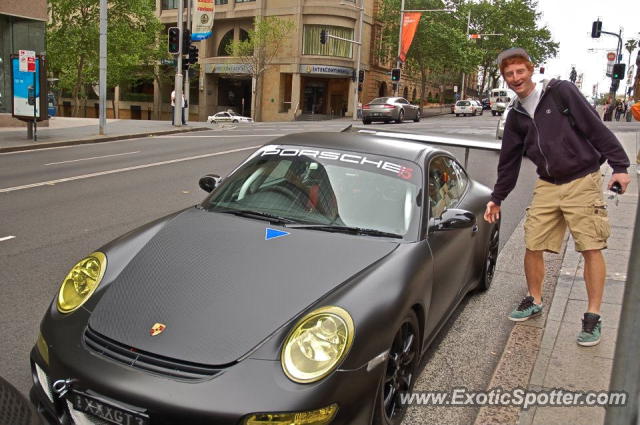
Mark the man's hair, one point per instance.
(515, 60)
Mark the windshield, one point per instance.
(463, 103)
(334, 188)
(379, 101)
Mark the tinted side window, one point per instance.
(446, 185)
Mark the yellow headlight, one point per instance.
(317, 344)
(314, 417)
(81, 282)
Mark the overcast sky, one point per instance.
(570, 24)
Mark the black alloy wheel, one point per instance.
(489, 269)
(400, 117)
(400, 373)
(417, 119)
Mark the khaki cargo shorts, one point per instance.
(577, 204)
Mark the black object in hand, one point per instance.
(615, 187)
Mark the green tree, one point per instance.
(133, 43)
(631, 46)
(259, 50)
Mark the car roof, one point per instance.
(361, 142)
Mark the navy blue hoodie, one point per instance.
(561, 152)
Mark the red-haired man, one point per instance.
(556, 128)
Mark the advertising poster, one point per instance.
(202, 22)
(22, 83)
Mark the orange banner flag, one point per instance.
(410, 22)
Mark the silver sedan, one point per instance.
(390, 109)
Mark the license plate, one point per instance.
(376, 114)
(114, 414)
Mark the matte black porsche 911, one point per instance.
(303, 290)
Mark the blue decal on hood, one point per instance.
(274, 233)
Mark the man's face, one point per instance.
(518, 78)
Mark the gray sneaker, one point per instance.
(526, 310)
(591, 330)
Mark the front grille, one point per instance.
(137, 359)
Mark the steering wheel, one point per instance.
(290, 191)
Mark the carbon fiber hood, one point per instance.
(221, 288)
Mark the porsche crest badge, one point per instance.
(157, 329)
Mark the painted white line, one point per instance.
(6, 238)
(93, 157)
(121, 170)
(228, 135)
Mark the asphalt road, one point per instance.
(60, 204)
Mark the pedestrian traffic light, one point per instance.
(174, 40)
(596, 29)
(542, 70)
(186, 41)
(618, 71)
(323, 36)
(193, 54)
(361, 76)
(395, 74)
(185, 65)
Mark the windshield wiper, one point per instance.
(345, 229)
(272, 218)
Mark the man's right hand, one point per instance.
(492, 213)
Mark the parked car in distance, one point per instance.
(228, 116)
(466, 107)
(501, 123)
(479, 108)
(390, 109)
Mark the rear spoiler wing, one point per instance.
(433, 140)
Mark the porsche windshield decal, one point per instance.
(157, 329)
(399, 170)
(273, 234)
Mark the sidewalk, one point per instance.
(542, 353)
(63, 131)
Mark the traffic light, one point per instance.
(361, 76)
(596, 29)
(353, 75)
(193, 54)
(542, 70)
(395, 74)
(323, 36)
(618, 71)
(174, 40)
(186, 41)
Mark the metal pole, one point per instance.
(463, 74)
(357, 84)
(177, 110)
(626, 368)
(103, 68)
(395, 91)
(186, 76)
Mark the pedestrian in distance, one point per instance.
(556, 128)
(173, 105)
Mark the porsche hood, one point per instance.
(219, 286)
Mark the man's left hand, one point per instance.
(622, 178)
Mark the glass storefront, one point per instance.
(16, 34)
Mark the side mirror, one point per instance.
(452, 219)
(209, 182)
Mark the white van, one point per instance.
(499, 99)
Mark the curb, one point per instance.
(98, 139)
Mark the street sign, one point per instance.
(611, 56)
(27, 60)
(455, 89)
(476, 36)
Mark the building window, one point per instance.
(333, 47)
(244, 1)
(222, 1)
(226, 41)
(172, 4)
(244, 36)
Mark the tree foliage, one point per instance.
(134, 42)
(259, 50)
(441, 50)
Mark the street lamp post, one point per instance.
(358, 63)
(402, 11)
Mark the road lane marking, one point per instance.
(93, 157)
(227, 135)
(121, 170)
(6, 238)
